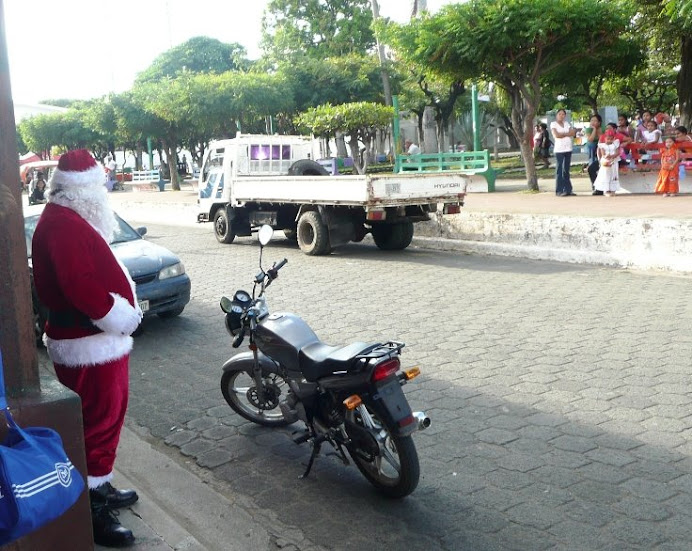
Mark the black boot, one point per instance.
(116, 498)
(107, 528)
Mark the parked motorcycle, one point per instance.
(347, 396)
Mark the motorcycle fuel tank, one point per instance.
(281, 336)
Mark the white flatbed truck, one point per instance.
(253, 180)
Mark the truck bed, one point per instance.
(367, 191)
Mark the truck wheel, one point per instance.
(313, 237)
(222, 227)
(393, 237)
(307, 167)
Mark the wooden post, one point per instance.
(33, 401)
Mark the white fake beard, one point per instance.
(91, 203)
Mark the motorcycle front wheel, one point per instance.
(259, 406)
(390, 463)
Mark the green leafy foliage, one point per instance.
(200, 54)
(360, 121)
(317, 28)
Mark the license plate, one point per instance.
(394, 400)
(143, 305)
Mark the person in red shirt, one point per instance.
(93, 311)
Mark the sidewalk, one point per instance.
(177, 509)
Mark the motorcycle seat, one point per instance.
(319, 360)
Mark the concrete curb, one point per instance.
(640, 243)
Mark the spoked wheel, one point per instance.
(390, 463)
(260, 406)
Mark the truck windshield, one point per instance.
(214, 159)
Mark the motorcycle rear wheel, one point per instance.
(239, 391)
(395, 470)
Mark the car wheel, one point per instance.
(313, 236)
(222, 227)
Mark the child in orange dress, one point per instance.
(667, 183)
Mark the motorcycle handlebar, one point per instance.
(281, 264)
(273, 272)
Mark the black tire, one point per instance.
(222, 227)
(168, 314)
(313, 236)
(393, 237)
(406, 479)
(291, 234)
(307, 167)
(240, 397)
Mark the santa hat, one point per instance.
(77, 169)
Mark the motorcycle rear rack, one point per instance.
(385, 349)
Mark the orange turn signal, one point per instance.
(353, 401)
(411, 373)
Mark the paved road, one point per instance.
(560, 398)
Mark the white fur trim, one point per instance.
(122, 319)
(94, 176)
(87, 351)
(95, 481)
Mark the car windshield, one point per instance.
(123, 231)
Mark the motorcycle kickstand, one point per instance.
(315, 452)
(339, 453)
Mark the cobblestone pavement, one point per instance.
(559, 396)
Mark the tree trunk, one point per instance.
(341, 145)
(171, 160)
(523, 114)
(429, 143)
(355, 154)
(685, 82)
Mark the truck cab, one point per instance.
(249, 156)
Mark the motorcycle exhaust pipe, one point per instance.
(423, 420)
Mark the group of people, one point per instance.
(36, 187)
(605, 152)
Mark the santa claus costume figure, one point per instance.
(92, 313)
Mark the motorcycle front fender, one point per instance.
(245, 361)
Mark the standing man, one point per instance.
(93, 311)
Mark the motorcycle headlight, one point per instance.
(172, 271)
(233, 323)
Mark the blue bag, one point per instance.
(38, 482)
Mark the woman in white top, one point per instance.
(563, 133)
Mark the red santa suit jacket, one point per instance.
(89, 293)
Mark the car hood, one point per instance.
(143, 257)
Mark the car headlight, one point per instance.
(172, 271)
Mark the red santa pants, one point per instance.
(103, 389)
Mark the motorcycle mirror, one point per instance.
(265, 234)
(226, 304)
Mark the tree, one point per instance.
(200, 54)
(317, 28)
(516, 45)
(586, 79)
(673, 20)
(360, 121)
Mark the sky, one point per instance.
(82, 49)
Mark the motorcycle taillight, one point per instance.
(385, 369)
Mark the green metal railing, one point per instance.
(469, 162)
